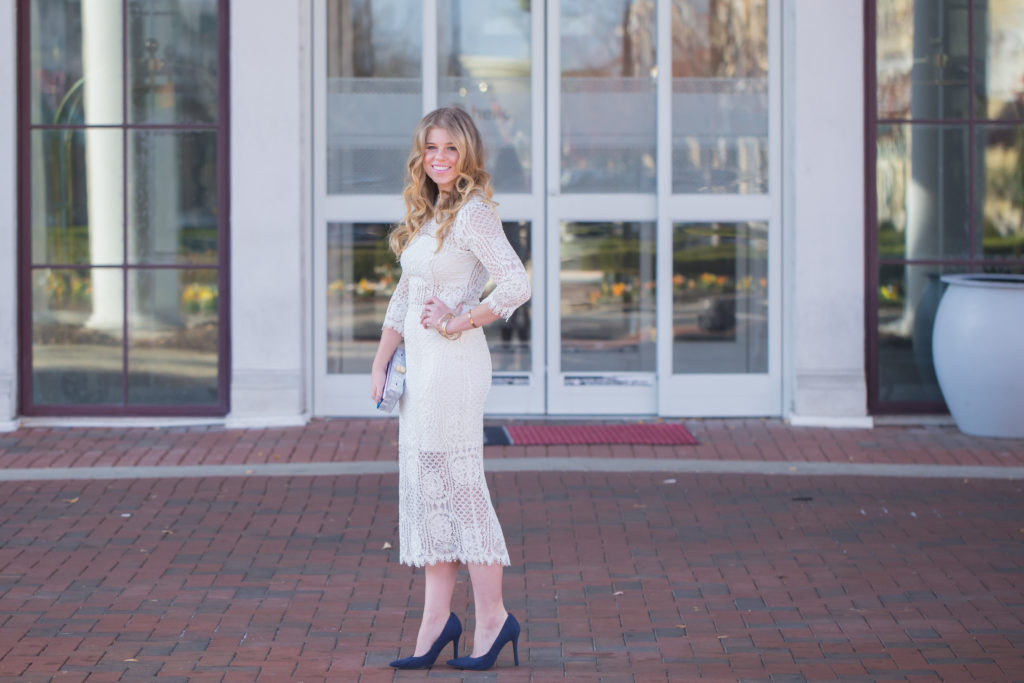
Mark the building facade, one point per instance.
(727, 207)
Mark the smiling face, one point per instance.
(441, 158)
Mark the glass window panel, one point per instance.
(173, 60)
(1000, 188)
(485, 68)
(908, 296)
(77, 196)
(510, 341)
(77, 323)
(173, 334)
(720, 298)
(999, 59)
(921, 58)
(361, 275)
(76, 62)
(720, 96)
(608, 96)
(922, 191)
(607, 287)
(374, 92)
(172, 196)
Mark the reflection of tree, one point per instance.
(370, 38)
(719, 38)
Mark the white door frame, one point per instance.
(720, 395)
(545, 388)
(347, 394)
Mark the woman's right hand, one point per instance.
(378, 376)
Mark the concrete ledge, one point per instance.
(120, 422)
(832, 421)
(563, 464)
(265, 421)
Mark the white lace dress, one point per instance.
(444, 510)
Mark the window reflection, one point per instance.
(607, 288)
(999, 183)
(173, 333)
(77, 356)
(485, 68)
(720, 298)
(999, 59)
(173, 61)
(921, 58)
(608, 95)
(922, 186)
(908, 297)
(720, 96)
(361, 276)
(374, 92)
(91, 63)
(172, 183)
(510, 341)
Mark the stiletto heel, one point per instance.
(509, 632)
(450, 633)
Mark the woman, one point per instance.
(449, 242)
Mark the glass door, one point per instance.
(379, 65)
(719, 207)
(663, 207)
(635, 150)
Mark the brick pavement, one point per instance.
(375, 440)
(641, 576)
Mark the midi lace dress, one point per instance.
(444, 508)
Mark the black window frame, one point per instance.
(25, 126)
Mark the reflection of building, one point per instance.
(196, 226)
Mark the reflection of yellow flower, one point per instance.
(198, 297)
(595, 295)
(677, 280)
(889, 293)
(707, 279)
(618, 288)
(363, 287)
(336, 287)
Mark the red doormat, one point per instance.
(656, 433)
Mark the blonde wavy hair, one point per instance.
(423, 199)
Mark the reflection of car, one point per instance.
(718, 313)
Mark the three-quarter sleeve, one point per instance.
(397, 306)
(484, 236)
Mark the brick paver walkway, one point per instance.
(633, 576)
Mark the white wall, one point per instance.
(825, 112)
(269, 212)
(8, 220)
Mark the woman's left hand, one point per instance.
(434, 311)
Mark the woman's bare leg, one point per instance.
(489, 607)
(437, 603)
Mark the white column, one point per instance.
(824, 105)
(270, 156)
(8, 221)
(102, 69)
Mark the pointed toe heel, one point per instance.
(509, 633)
(450, 634)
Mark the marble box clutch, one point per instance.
(394, 385)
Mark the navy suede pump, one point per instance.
(509, 632)
(449, 634)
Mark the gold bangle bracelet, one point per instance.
(469, 314)
(444, 329)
